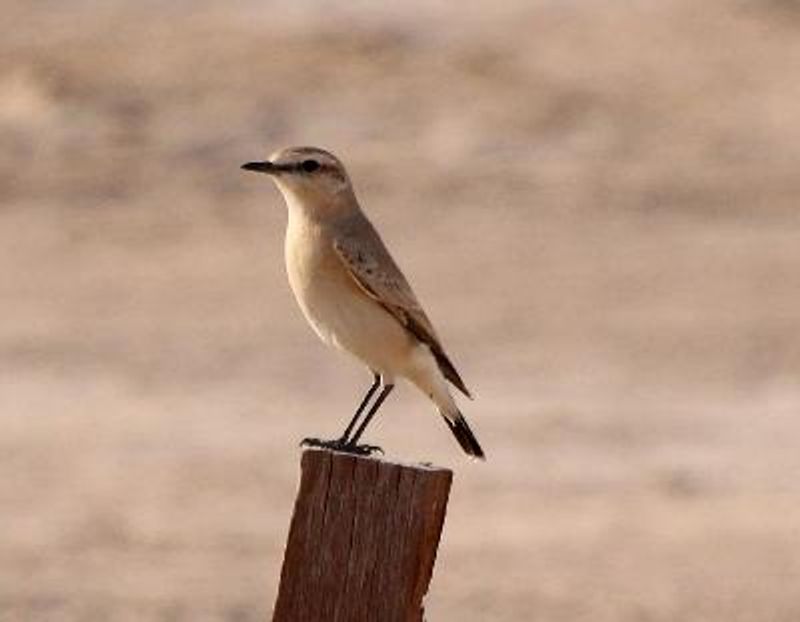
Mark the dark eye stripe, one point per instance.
(309, 166)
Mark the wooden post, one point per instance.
(363, 539)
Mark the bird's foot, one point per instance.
(343, 445)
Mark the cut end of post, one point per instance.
(363, 538)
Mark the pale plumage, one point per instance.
(353, 293)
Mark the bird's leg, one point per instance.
(376, 382)
(342, 443)
(352, 444)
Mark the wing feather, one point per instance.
(372, 267)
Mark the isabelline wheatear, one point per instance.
(354, 295)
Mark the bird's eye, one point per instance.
(309, 166)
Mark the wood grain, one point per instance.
(363, 539)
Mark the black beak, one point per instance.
(260, 167)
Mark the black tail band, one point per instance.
(465, 437)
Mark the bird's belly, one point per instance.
(349, 320)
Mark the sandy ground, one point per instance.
(597, 203)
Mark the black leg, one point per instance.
(375, 384)
(383, 395)
(343, 443)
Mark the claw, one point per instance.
(336, 444)
(342, 445)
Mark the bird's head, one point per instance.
(307, 175)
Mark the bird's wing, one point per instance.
(372, 267)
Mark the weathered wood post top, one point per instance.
(363, 539)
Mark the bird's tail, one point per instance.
(461, 430)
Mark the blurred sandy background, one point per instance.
(596, 201)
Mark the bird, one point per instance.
(354, 295)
